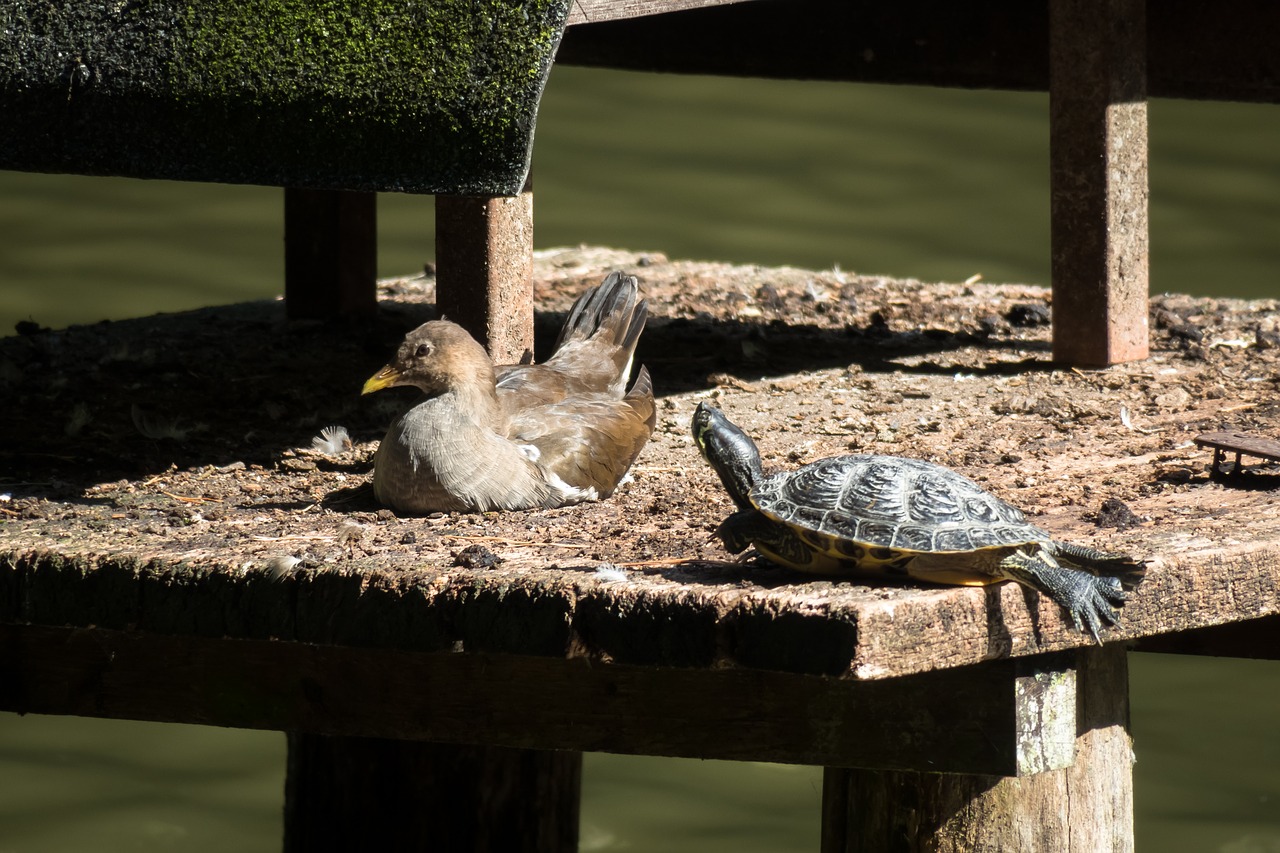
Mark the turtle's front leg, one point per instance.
(738, 530)
(775, 542)
(1088, 598)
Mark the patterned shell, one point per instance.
(890, 502)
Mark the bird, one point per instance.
(519, 436)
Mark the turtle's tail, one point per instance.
(1128, 571)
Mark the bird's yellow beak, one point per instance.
(384, 378)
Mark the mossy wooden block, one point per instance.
(431, 96)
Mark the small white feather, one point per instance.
(610, 573)
(332, 441)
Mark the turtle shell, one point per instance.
(882, 508)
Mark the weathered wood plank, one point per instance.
(1240, 444)
(1083, 808)
(982, 719)
(853, 630)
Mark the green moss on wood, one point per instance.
(420, 95)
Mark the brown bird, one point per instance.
(518, 436)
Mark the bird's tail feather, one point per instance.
(605, 321)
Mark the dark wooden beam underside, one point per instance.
(980, 719)
(1208, 51)
(1257, 639)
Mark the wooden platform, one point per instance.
(200, 565)
(1239, 443)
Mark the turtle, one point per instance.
(892, 516)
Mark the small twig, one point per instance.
(185, 499)
(304, 537)
(659, 562)
(513, 543)
(654, 563)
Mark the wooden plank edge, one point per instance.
(697, 627)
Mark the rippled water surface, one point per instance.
(933, 184)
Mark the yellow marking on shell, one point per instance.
(820, 564)
(954, 577)
(947, 567)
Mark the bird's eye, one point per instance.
(422, 351)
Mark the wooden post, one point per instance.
(1098, 180)
(347, 793)
(484, 270)
(330, 253)
(1084, 808)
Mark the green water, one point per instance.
(934, 184)
(939, 185)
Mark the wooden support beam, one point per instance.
(344, 793)
(1083, 808)
(330, 253)
(978, 719)
(1221, 51)
(1255, 639)
(484, 270)
(1098, 180)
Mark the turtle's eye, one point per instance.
(422, 351)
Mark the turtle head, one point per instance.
(730, 451)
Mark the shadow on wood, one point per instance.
(346, 793)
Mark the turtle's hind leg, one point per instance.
(1089, 598)
(1122, 567)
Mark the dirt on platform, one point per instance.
(190, 435)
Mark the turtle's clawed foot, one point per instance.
(1090, 599)
(1092, 603)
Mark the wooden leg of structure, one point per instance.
(330, 253)
(1098, 180)
(484, 270)
(346, 793)
(1084, 808)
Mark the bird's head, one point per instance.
(435, 357)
